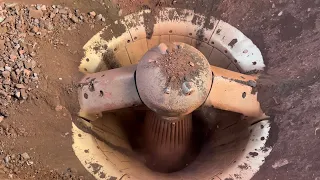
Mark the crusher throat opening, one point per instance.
(227, 145)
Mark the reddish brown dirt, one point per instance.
(41, 125)
(289, 90)
(290, 85)
(178, 66)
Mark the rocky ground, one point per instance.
(30, 34)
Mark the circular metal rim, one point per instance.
(216, 39)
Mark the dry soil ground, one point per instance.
(286, 31)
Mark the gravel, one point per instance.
(19, 71)
(21, 27)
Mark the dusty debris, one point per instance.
(92, 14)
(120, 12)
(18, 66)
(25, 156)
(58, 108)
(33, 13)
(280, 163)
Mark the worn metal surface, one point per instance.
(232, 91)
(168, 143)
(108, 90)
(173, 97)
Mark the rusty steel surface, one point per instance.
(173, 79)
(168, 143)
(108, 90)
(232, 91)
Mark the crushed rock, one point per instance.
(20, 27)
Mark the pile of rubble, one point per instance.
(20, 27)
(12, 164)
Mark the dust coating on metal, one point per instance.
(152, 79)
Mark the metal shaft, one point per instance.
(232, 91)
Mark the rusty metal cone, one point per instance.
(168, 143)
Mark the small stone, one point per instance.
(36, 14)
(19, 64)
(48, 25)
(14, 77)
(29, 163)
(56, 11)
(38, 6)
(280, 163)
(27, 65)
(120, 12)
(20, 86)
(103, 19)
(17, 46)
(309, 9)
(7, 159)
(24, 94)
(15, 170)
(36, 21)
(43, 8)
(52, 15)
(6, 82)
(2, 46)
(99, 17)
(60, 79)
(74, 18)
(17, 94)
(3, 93)
(13, 156)
(25, 156)
(12, 133)
(13, 57)
(33, 64)
(7, 68)
(58, 108)
(1, 118)
(21, 52)
(280, 13)
(63, 11)
(35, 29)
(32, 54)
(2, 18)
(191, 64)
(167, 90)
(26, 72)
(273, 6)
(6, 74)
(92, 14)
(77, 13)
